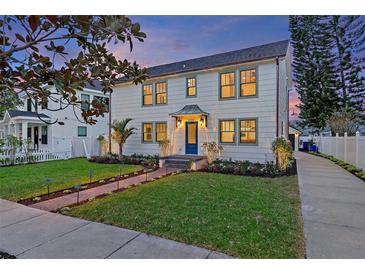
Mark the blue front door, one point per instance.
(191, 138)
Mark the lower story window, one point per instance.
(227, 131)
(81, 131)
(248, 131)
(161, 131)
(147, 132)
(44, 135)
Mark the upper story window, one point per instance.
(248, 82)
(147, 95)
(29, 104)
(104, 101)
(161, 93)
(85, 102)
(191, 87)
(161, 131)
(147, 132)
(248, 131)
(227, 85)
(227, 130)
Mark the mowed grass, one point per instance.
(247, 217)
(24, 181)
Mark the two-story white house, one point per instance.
(238, 99)
(69, 133)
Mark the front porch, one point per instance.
(189, 133)
(27, 126)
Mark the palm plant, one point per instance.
(121, 133)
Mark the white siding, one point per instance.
(127, 102)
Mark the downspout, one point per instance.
(277, 97)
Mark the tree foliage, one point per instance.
(328, 64)
(314, 72)
(29, 46)
(121, 133)
(348, 34)
(344, 121)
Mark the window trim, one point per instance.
(239, 131)
(240, 83)
(235, 131)
(220, 86)
(155, 97)
(187, 87)
(152, 94)
(142, 131)
(155, 126)
(78, 131)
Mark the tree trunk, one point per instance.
(120, 152)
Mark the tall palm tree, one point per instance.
(121, 133)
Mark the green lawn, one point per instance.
(247, 217)
(24, 181)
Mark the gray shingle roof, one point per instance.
(189, 110)
(256, 53)
(15, 113)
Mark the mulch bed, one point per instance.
(4, 255)
(66, 191)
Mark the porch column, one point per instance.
(24, 131)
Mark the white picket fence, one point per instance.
(40, 155)
(350, 149)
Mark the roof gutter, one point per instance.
(277, 96)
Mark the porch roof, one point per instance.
(189, 110)
(16, 113)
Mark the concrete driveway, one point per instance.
(333, 208)
(32, 233)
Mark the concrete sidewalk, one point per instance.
(32, 233)
(333, 208)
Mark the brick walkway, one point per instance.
(63, 201)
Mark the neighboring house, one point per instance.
(69, 134)
(238, 99)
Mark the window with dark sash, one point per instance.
(161, 93)
(248, 129)
(227, 131)
(191, 87)
(81, 131)
(147, 95)
(248, 82)
(161, 131)
(227, 85)
(147, 132)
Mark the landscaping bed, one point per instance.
(358, 172)
(66, 191)
(248, 217)
(148, 161)
(31, 180)
(247, 168)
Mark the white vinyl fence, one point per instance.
(33, 156)
(350, 149)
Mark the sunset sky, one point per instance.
(176, 38)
